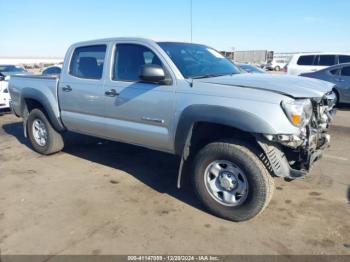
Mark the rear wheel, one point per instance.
(277, 68)
(43, 137)
(231, 181)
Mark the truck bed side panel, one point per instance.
(40, 88)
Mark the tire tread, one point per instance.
(234, 146)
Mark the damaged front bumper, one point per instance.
(292, 156)
(287, 163)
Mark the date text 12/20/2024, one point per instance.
(173, 258)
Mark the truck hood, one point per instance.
(292, 86)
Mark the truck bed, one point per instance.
(33, 86)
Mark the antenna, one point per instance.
(191, 19)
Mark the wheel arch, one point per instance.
(32, 99)
(219, 116)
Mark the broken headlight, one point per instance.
(299, 112)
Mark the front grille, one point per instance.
(316, 114)
(316, 108)
(323, 111)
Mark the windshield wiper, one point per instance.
(208, 76)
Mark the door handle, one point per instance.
(67, 88)
(111, 93)
(339, 80)
(155, 120)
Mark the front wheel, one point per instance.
(231, 181)
(43, 137)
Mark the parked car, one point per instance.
(4, 94)
(276, 65)
(54, 70)
(5, 72)
(251, 68)
(312, 62)
(8, 70)
(340, 76)
(232, 132)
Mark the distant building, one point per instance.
(259, 56)
(283, 56)
(251, 56)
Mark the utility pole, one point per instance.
(191, 19)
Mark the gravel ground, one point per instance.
(100, 197)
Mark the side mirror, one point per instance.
(154, 74)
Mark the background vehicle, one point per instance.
(5, 72)
(340, 76)
(312, 62)
(276, 65)
(232, 131)
(251, 69)
(8, 70)
(54, 70)
(4, 97)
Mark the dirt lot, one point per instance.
(99, 197)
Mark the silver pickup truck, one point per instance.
(233, 132)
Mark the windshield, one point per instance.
(8, 70)
(198, 61)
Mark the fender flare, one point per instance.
(231, 117)
(31, 93)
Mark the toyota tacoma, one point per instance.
(233, 132)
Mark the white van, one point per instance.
(311, 62)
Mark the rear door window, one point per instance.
(345, 71)
(306, 60)
(335, 72)
(87, 62)
(327, 60)
(344, 59)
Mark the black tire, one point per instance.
(260, 183)
(277, 68)
(336, 98)
(54, 142)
